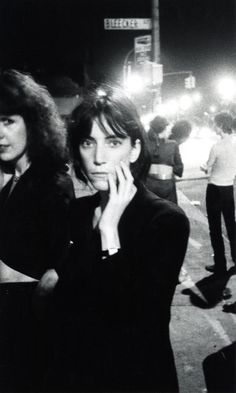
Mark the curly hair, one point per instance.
(21, 95)
(110, 106)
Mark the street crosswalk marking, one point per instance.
(195, 243)
(218, 328)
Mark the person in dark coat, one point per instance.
(34, 231)
(114, 293)
(166, 162)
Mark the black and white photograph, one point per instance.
(117, 196)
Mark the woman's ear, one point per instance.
(135, 152)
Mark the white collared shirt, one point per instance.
(221, 164)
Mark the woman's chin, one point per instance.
(101, 185)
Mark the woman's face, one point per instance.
(13, 138)
(100, 153)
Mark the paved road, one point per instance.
(199, 327)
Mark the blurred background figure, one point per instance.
(166, 162)
(66, 94)
(221, 169)
(180, 131)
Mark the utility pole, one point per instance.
(156, 54)
(156, 48)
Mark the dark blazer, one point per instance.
(34, 232)
(115, 312)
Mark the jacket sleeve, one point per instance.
(54, 221)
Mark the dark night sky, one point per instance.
(59, 36)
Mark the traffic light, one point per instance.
(190, 82)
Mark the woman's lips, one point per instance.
(99, 174)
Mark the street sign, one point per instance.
(127, 24)
(142, 49)
(157, 74)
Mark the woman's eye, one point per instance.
(114, 142)
(7, 121)
(86, 143)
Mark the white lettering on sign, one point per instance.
(127, 24)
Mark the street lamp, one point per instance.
(227, 88)
(127, 67)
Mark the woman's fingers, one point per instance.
(126, 171)
(112, 185)
(125, 182)
(130, 188)
(120, 180)
(122, 191)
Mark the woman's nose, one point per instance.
(99, 155)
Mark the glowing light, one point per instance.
(134, 83)
(227, 88)
(197, 97)
(205, 132)
(160, 109)
(171, 107)
(195, 151)
(185, 102)
(101, 93)
(212, 109)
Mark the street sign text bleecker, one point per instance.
(142, 49)
(127, 24)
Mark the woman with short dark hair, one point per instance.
(114, 294)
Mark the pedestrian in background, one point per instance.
(221, 169)
(66, 94)
(115, 292)
(166, 162)
(33, 226)
(180, 131)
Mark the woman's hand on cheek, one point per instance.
(121, 193)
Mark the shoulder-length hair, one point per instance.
(21, 95)
(108, 106)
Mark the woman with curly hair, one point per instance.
(33, 211)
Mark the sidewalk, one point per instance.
(199, 327)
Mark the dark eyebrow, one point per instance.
(88, 137)
(114, 137)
